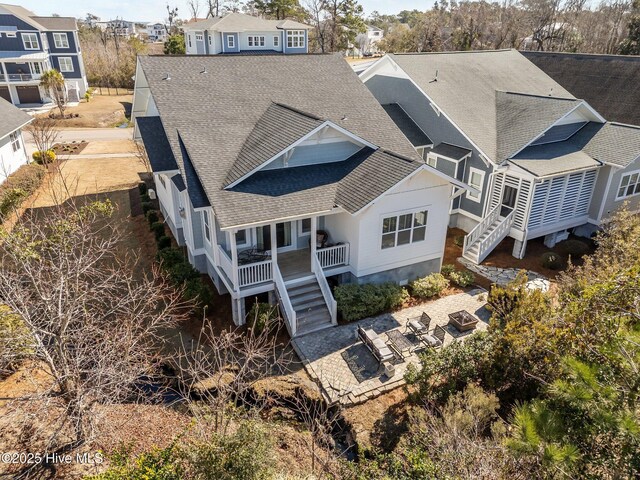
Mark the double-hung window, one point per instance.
(476, 180)
(66, 64)
(276, 41)
(30, 41)
(404, 229)
(15, 141)
(256, 40)
(231, 41)
(629, 185)
(295, 38)
(207, 226)
(61, 40)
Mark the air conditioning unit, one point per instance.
(152, 194)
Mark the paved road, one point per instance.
(88, 134)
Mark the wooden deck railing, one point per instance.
(333, 256)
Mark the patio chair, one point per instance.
(375, 344)
(435, 339)
(419, 325)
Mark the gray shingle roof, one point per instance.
(216, 113)
(520, 118)
(156, 144)
(467, 82)
(57, 23)
(615, 143)
(351, 184)
(11, 118)
(608, 82)
(239, 22)
(406, 124)
(279, 127)
(450, 151)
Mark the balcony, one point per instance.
(19, 77)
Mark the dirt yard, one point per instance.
(101, 111)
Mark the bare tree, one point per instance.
(213, 8)
(93, 324)
(44, 132)
(172, 15)
(221, 369)
(194, 8)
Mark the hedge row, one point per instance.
(18, 186)
(361, 301)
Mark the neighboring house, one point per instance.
(156, 32)
(12, 151)
(544, 162)
(610, 83)
(118, 27)
(30, 45)
(285, 179)
(237, 33)
(367, 42)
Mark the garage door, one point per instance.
(4, 93)
(28, 95)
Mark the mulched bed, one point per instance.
(72, 148)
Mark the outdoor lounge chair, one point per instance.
(435, 339)
(375, 344)
(419, 325)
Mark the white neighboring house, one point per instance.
(367, 42)
(280, 187)
(12, 150)
(156, 32)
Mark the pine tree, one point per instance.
(631, 45)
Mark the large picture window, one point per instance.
(629, 185)
(295, 38)
(404, 229)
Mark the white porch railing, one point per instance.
(333, 256)
(331, 303)
(495, 237)
(254, 273)
(284, 301)
(225, 263)
(481, 228)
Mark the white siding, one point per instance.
(10, 161)
(424, 191)
(268, 41)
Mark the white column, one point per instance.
(314, 239)
(274, 246)
(234, 258)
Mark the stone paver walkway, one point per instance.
(503, 276)
(325, 353)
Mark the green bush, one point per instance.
(158, 230)
(44, 158)
(170, 257)
(152, 216)
(145, 198)
(361, 301)
(575, 248)
(458, 240)
(262, 315)
(429, 286)
(18, 186)
(551, 260)
(146, 207)
(447, 269)
(164, 242)
(462, 278)
(196, 289)
(142, 188)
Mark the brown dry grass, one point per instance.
(110, 146)
(102, 111)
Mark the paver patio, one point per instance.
(328, 354)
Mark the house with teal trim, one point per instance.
(31, 44)
(239, 33)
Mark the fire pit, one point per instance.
(463, 321)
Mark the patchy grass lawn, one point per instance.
(101, 111)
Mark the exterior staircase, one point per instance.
(486, 236)
(309, 304)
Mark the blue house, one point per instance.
(238, 33)
(30, 45)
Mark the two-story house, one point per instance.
(156, 32)
(543, 162)
(237, 33)
(287, 178)
(30, 45)
(12, 150)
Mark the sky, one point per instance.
(154, 10)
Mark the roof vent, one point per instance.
(204, 70)
(435, 79)
(167, 77)
(344, 118)
(551, 92)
